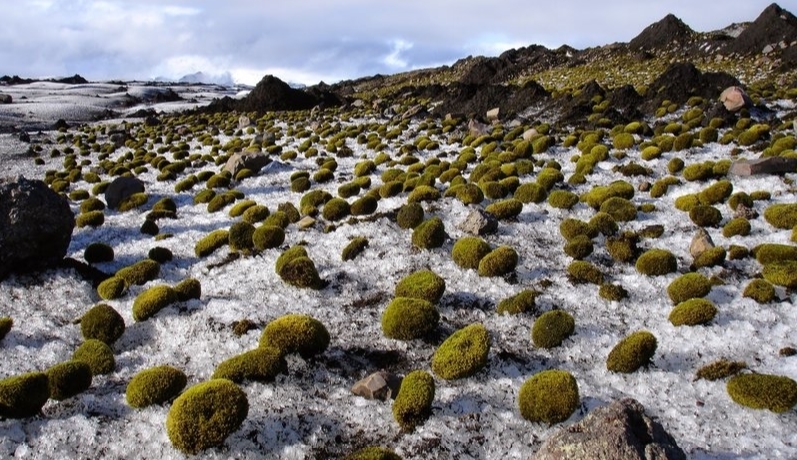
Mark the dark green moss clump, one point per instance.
(68, 379)
(355, 247)
(296, 333)
(24, 395)
(205, 415)
(300, 272)
(98, 355)
(407, 318)
(762, 291)
(112, 288)
(498, 262)
(155, 385)
(469, 251)
(552, 328)
(688, 286)
(763, 391)
(97, 253)
(463, 354)
(153, 300)
(423, 284)
(430, 234)
(262, 364)
(6, 323)
(140, 272)
(187, 289)
(705, 216)
(770, 252)
(522, 302)
(336, 209)
(373, 453)
(506, 209)
(782, 273)
(782, 215)
(621, 209)
(631, 353)
(549, 396)
(584, 272)
(693, 312)
(240, 238)
(211, 242)
(413, 404)
(410, 215)
(268, 237)
(579, 247)
(657, 262)
(612, 292)
(720, 369)
(103, 323)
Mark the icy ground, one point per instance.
(310, 413)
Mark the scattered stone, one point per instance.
(787, 352)
(35, 226)
(619, 431)
(529, 133)
(244, 122)
(492, 114)
(701, 243)
(768, 165)
(479, 223)
(254, 161)
(6, 98)
(359, 103)
(305, 223)
(118, 138)
(380, 385)
(744, 211)
(122, 188)
(60, 124)
(412, 112)
(734, 98)
(152, 120)
(24, 137)
(477, 128)
(644, 186)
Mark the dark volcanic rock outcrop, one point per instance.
(272, 94)
(665, 33)
(682, 80)
(478, 99)
(773, 26)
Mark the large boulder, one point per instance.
(121, 189)
(35, 226)
(619, 431)
(6, 98)
(734, 99)
(254, 161)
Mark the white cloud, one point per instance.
(394, 59)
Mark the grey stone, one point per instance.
(701, 243)
(305, 222)
(244, 122)
(359, 103)
(479, 223)
(767, 165)
(477, 128)
(6, 99)
(254, 161)
(380, 385)
(529, 133)
(734, 98)
(121, 189)
(619, 431)
(492, 114)
(412, 112)
(118, 138)
(644, 186)
(744, 211)
(36, 226)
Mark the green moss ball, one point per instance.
(623, 141)
(656, 262)
(407, 318)
(531, 193)
(255, 214)
(355, 247)
(693, 312)
(710, 258)
(112, 288)
(621, 209)
(373, 453)
(612, 292)
(549, 396)
(716, 193)
(469, 251)
(24, 395)
(413, 404)
(505, 209)
(562, 199)
(523, 301)
(6, 323)
(571, 228)
(68, 379)
(155, 385)
(262, 364)
(296, 333)
(782, 215)
(96, 253)
(302, 273)
(604, 223)
(410, 215)
(430, 234)
(211, 242)
(160, 254)
(364, 206)
(336, 209)
(552, 328)
(579, 247)
(763, 391)
(720, 369)
(103, 323)
(422, 284)
(767, 253)
(705, 216)
(153, 300)
(584, 272)
(92, 219)
(140, 272)
(423, 193)
(498, 262)
(632, 352)
(97, 354)
(783, 273)
(205, 415)
(240, 236)
(288, 255)
(762, 291)
(463, 354)
(187, 289)
(736, 227)
(268, 237)
(688, 286)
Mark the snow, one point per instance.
(311, 413)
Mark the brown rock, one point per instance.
(701, 243)
(479, 223)
(529, 133)
(477, 128)
(492, 114)
(305, 222)
(6, 99)
(254, 161)
(380, 385)
(768, 165)
(734, 98)
(744, 211)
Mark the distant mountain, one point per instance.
(224, 79)
(670, 30)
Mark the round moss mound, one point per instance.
(782, 215)
(205, 415)
(530, 192)
(355, 247)
(423, 284)
(413, 404)
(519, 303)
(463, 354)
(96, 253)
(102, 323)
(612, 292)
(140, 272)
(68, 379)
(301, 272)
(584, 272)
(783, 273)
(763, 391)
(112, 288)
(720, 369)
(579, 247)
(549, 396)
(240, 236)
(505, 209)
(552, 328)
(736, 227)
(373, 453)
(24, 395)
(262, 364)
(92, 219)
(469, 251)
(770, 252)
(656, 262)
(268, 237)
(364, 206)
(410, 215)
(604, 224)
(296, 333)
(187, 289)
(98, 355)
(6, 323)
(705, 216)
(407, 318)
(336, 209)
(211, 242)
(153, 300)
(562, 199)
(155, 385)
(710, 258)
(429, 234)
(160, 254)
(621, 209)
(423, 193)
(571, 228)
(632, 352)
(498, 262)
(693, 312)
(762, 291)
(688, 286)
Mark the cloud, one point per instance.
(314, 40)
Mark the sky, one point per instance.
(315, 40)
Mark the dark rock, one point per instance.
(24, 137)
(118, 138)
(767, 165)
(6, 99)
(255, 161)
(120, 189)
(35, 226)
(380, 385)
(477, 100)
(662, 34)
(744, 211)
(272, 94)
(152, 120)
(73, 80)
(619, 431)
(682, 80)
(773, 25)
(61, 124)
(479, 223)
